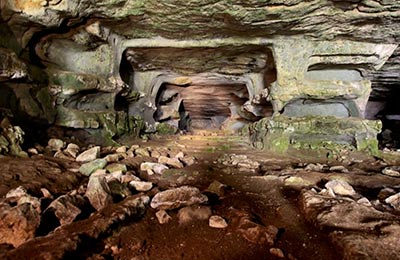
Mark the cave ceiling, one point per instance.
(45, 29)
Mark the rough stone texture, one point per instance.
(65, 208)
(61, 242)
(89, 155)
(350, 224)
(90, 167)
(98, 192)
(188, 214)
(177, 197)
(18, 224)
(103, 70)
(313, 132)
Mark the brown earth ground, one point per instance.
(258, 195)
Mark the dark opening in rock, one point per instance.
(213, 106)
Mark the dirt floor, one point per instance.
(261, 198)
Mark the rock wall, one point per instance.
(104, 66)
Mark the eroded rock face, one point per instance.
(110, 67)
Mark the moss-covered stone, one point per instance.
(316, 133)
(166, 129)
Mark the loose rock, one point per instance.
(177, 197)
(391, 172)
(188, 214)
(98, 192)
(173, 162)
(18, 224)
(217, 222)
(116, 167)
(394, 201)
(141, 185)
(338, 168)
(152, 168)
(163, 217)
(72, 150)
(55, 144)
(276, 252)
(339, 187)
(90, 167)
(65, 208)
(89, 155)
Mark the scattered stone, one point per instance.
(55, 144)
(46, 193)
(217, 188)
(314, 167)
(116, 167)
(142, 152)
(121, 149)
(60, 154)
(17, 193)
(178, 197)
(298, 182)
(152, 168)
(18, 224)
(338, 168)
(394, 201)
(90, 167)
(89, 155)
(390, 171)
(385, 193)
(155, 154)
(35, 202)
(217, 222)
(276, 252)
(141, 185)
(66, 239)
(364, 201)
(163, 217)
(254, 232)
(119, 191)
(180, 155)
(72, 150)
(111, 158)
(188, 160)
(195, 212)
(33, 151)
(117, 175)
(65, 208)
(128, 177)
(98, 192)
(173, 162)
(339, 187)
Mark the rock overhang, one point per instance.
(307, 56)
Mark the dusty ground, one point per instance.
(254, 200)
